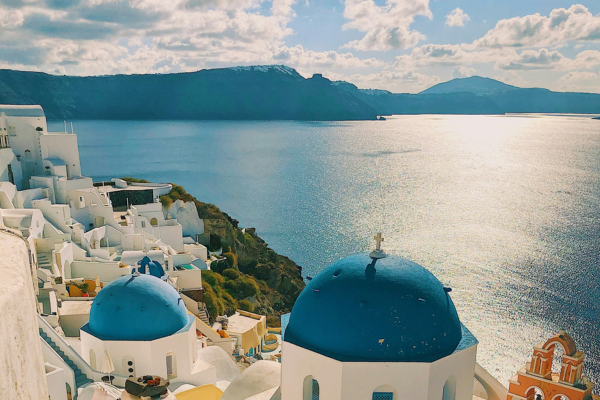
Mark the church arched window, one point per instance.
(171, 365)
(449, 389)
(310, 388)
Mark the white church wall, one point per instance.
(459, 366)
(409, 380)
(149, 357)
(298, 363)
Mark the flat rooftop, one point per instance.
(75, 307)
(240, 323)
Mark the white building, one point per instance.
(24, 130)
(381, 329)
(142, 322)
(150, 219)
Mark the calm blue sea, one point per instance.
(504, 209)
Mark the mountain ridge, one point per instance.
(269, 92)
(239, 93)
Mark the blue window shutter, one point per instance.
(383, 396)
(315, 390)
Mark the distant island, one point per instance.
(476, 95)
(272, 92)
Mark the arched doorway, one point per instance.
(535, 393)
(154, 222)
(310, 388)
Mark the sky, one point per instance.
(404, 46)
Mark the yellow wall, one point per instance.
(205, 392)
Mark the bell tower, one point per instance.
(536, 381)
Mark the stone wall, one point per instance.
(21, 362)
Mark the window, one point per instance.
(143, 224)
(11, 177)
(171, 365)
(310, 388)
(384, 392)
(154, 222)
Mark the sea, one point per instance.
(503, 209)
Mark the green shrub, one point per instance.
(246, 305)
(243, 287)
(214, 306)
(212, 278)
(273, 321)
(231, 259)
(231, 273)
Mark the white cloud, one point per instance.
(457, 18)
(562, 25)
(386, 27)
(395, 81)
(580, 81)
(463, 72)
(532, 59)
(299, 57)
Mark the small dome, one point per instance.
(137, 308)
(391, 309)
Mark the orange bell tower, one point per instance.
(536, 381)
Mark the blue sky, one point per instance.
(398, 45)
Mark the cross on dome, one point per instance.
(378, 253)
(378, 239)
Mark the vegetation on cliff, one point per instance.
(251, 276)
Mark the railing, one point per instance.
(74, 356)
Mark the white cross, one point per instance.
(378, 240)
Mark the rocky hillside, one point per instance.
(244, 93)
(253, 276)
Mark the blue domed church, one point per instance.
(380, 327)
(143, 324)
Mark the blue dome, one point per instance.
(391, 310)
(137, 308)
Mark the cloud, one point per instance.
(532, 59)
(386, 27)
(562, 26)
(457, 18)
(302, 58)
(395, 81)
(580, 81)
(462, 72)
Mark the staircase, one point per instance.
(80, 378)
(203, 315)
(44, 261)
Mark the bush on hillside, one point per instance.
(246, 305)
